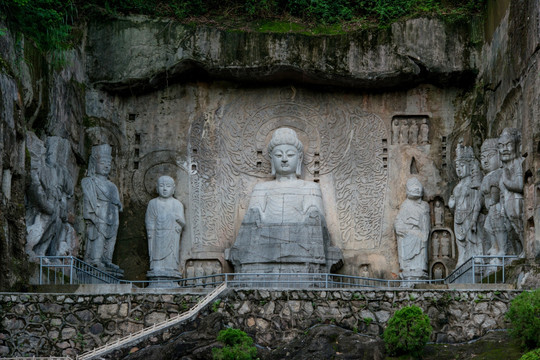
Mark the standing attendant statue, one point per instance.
(511, 183)
(101, 205)
(496, 225)
(164, 223)
(466, 203)
(412, 227)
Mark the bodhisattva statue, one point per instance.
(164, 223)
(412, 227)
(284, 229)
(511, 182)
(466, 202)
(101, 205)
(496, 225)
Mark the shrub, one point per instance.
(407, 332)
(237, 346)
(531, 355)
(524, 313)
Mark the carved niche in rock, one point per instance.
(512, 182)
(412, 227)
(101, 205)
(410, 129)
(343, 152)
(466, 203)
(284, 229)
(164, 223)
(442, 252)
(48, 221)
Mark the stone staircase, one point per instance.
(158, 327)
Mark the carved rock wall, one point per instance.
(212, 139)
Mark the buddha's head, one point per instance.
(166, 186)
(414, 189)
(286, 152)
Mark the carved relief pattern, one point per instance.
(213, 187)
(361, 181)
(228, 152)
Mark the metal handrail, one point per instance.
(102, 350)
(80, 273)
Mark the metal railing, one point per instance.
(140, 335)
(481, 269)
(478, 269)
(64, 270)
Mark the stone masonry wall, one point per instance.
(53, 324)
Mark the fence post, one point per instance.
(473, 271)
(71, 271)
(326, 281)
(503, 277)
(40, 270)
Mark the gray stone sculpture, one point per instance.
(413, 133)
(496, 225)
(404, 131)
(512, 182)
(101, 205)
(284, 229)
(466, 203)
(438, 213)
(412, 227)
(164, 223)
(424, 133)
(49, 232)
(395, 131)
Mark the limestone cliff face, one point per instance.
(198, 103)
(136, 53)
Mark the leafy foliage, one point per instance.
(238, 346)
(407, 332)
(46, 22)
(531, 355)
(49, 22)
(524, 313)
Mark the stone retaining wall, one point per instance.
(52, 324)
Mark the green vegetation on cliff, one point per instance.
(49, 23)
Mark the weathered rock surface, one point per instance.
(143, 54)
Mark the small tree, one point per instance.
(237, 346)
(407, 332)
(524, 313)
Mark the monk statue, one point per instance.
(284, 229)
(164, 223)
(101, 205)
(412, 227)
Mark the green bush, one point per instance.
(531, 355)
(524, 313)
(407, 332)
(237, 346)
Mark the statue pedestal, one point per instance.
(165, 279)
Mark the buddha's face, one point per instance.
(462, 169)
(103, 166)
(414, 190)
(165, 188)
(507, 149)
(285, 159)
(489, 160)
